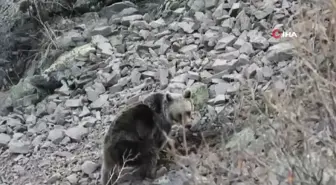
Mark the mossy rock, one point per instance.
(199, 95)
(25, 93)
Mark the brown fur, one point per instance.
(142, 128)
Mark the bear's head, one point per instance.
(178, 108)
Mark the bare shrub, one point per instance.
(120, 172)
(299, 122)
(294, 130)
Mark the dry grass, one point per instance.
(295, 129)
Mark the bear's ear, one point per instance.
(187, 94)
(169, 97)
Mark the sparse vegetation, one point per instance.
(294, 128)
(277, 133)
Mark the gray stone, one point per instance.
(229, 56)
(200, 16)
(244, 21)
(247, 49)
(92, 95)
(259, 42)
(74, 103)
(56, 135)
(186, 26)
(233, 77)
(193, 75)
(221, 65)
(13, 122)
(88, 121)
(31, 119)
(109, 79)
(179, 10)
(143, 25)
(127, 20)
(197, 5)
(135, 77)
(164, 47)
(234, 9)
(51, 107)
(54, 178)
(68, 39)
(37, 141)
(174, 26)
(98, 87)
(211, 35)
(19, 147)
(116, 40)
(3, 128)
(4, 139)
(279, 85)
(129, 11)
(17, 136)
(220, 99)
(77, 133)
(94, 91)
(64, 90)
(73, 179)
(228, 24)
(261, 14)
(150, 74)
(239, 43)
(267, 72)
(209, 4)
(41, 109)
(84, 5)
(103, 44)
(88, 167)
(85, 112)
(116, 88)
(182, 78)
(229, 49)
(241, 139)
(251, 70)
(224, 88)
(164, 73)
(108, 11)
(280, 52)
(158, 23)
(103, 30)
(227, 40)
(100, 102)
(41, 126)
(189, 48)
(145, 34)
(285, 4)
(219, 12)
(243, 59)
(124, 81)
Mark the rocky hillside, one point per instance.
(53, 122)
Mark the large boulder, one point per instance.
(28, 91)
(24, 93)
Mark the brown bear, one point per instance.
(142, 129)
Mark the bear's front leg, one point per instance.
(149, 159)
